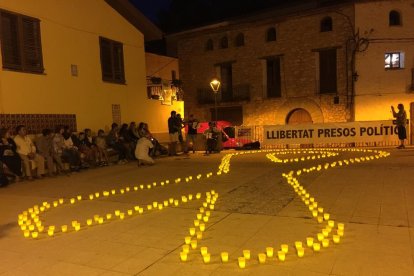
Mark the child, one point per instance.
(100, 143)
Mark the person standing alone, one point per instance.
(173, 129)
(192, 126)
(401, 121)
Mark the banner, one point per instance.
(350, 132)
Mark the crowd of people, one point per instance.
(24, 158)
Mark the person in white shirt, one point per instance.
(142, 149)
(27, 151)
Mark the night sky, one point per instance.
(151, 8)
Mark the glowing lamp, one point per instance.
(242, 262)
(192, 231)
(325, 242)
(269, 252)
(193, 244)
(246, 254)
(224, 257)
(281, 256)
(316, 247)
(35, 235)
(331, 223)
(340, 232)
(326, 216)
(284, 248)
(203, 250)
(205, 219)
(64, 228)
(300, 251)
(50, 232)
(183, 256)
(89, 222)
(336, 238)
(298, 244)
(320, 236)
(202, 227)
(108, 216)
(206, 258)
(100, 220)
(325, 232)
(187, 240)
(186, 248)
(341, 226)
(199, 216)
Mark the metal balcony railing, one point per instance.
(238, 93)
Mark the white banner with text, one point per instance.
(349, 132)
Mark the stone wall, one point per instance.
(298, 40)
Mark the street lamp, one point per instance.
(215, 85)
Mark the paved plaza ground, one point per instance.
(255, 209)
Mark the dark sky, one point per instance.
(151, 8)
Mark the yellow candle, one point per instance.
(165, 203)
(130, 212)
(224, 257)
(50, 232)
(211, 206)
(320, 219)
(192, 231)
(331, 223)
(72, 201)
(205, 218)
(155, 204)
(171, 200)
(108, 216)
(61, 200)
(196, 222)
(64, 228)
(269, 252)
(285, 248)
(320, 210)
(208, 213)
(326, 216)
(113, 192)
(26, 233)
(246, 254)
(90, 197)
(262, 258)
(206, 258)
(300, 251)
(96, 195)
(325, 242)
(176, 202)
(336, 238)
(186, 248)
(89, 221)
(340, 233)
(320, 236)
(341, 226)
(35, 235)
(316, 247)
(325, 232)
(281, 256)
(199, 235)
(187, 240)
(77, 227)
(101, 220)
(203, 250)
(117, 212)
(121, 215)
(202, 227)
(298, 244)
(199, 216)
(314, 213)
(79, 197)
(141, 210)
(183, 256)
(193, 244)
(242, 262)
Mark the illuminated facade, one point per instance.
(84, 58)
(302, 64)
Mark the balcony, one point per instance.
(238, 93)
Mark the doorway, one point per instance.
(299, 116)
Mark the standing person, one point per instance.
(401, 120)
(192, 126)
(173, 129)
(27, 151)
(144, 145)
(8, 155)
(180, 125)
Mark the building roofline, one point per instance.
(137, 19)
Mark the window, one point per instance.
(326, 24)
(20, 43)
(224, 42)
(209, 45)
(273, 78)
(112, 60)
(271, 34)
(394, 60)
(394, 18)
(327, 71)
(239, 40)
(226, 77)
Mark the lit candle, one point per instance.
(298, 244)
(202, 227)
(121, 215)
(341, 226)
(325, 242)
(246, 254)
(314, 213)
(72, 201)
(117, 212)
(331, 223)
(208, 213)
(183, 256)
(101, 220)
(205, 219)
(203, 250)
(326, 216)
(141, 210)
(155, 204)
(96, 195)
(206, 258)
(316, 246)
(79, 197)
(320, 236)
(50, 232)
(193, 244)
(336, 238)
(340, 232)
(325, 232)
(61, 200)
(26, 233)
(187, 240)
(196, 222)
(211, 206)
(35, 235)
(281, 256)
(199, 216)
(224, 257)
(269, 252)
(176, 202)
(165, 203)
(192, 231)
(130, 212)
(242, 262)
(300, 251)
(186, 248)
(285, 248)
(64, 228)
(108, 216)
(262, 258)
(171, 200)
(199, 235)
(320, 219)
(89, 222)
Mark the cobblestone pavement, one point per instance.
(256, 208)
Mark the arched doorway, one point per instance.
(298, 116)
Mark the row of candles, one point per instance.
(198, 227)
(322, 239)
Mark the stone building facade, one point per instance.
(319, 59)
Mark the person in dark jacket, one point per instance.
(9, 158)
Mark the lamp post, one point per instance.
(215, 85)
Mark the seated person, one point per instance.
(144, 145)
(10, 159)
(113, 141)
(65, 148)
(45, 148)
(87, 149)
(27, 151)
(102, 154)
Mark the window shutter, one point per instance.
(327, 71)
(106, 59)
(118, 62)
(10, 41)
(32, 50)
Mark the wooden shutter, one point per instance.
(118, 63)
(273, 78)
(327, 71)
(112, 60)
(10, 41)
(106, 59)
(31, 48)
